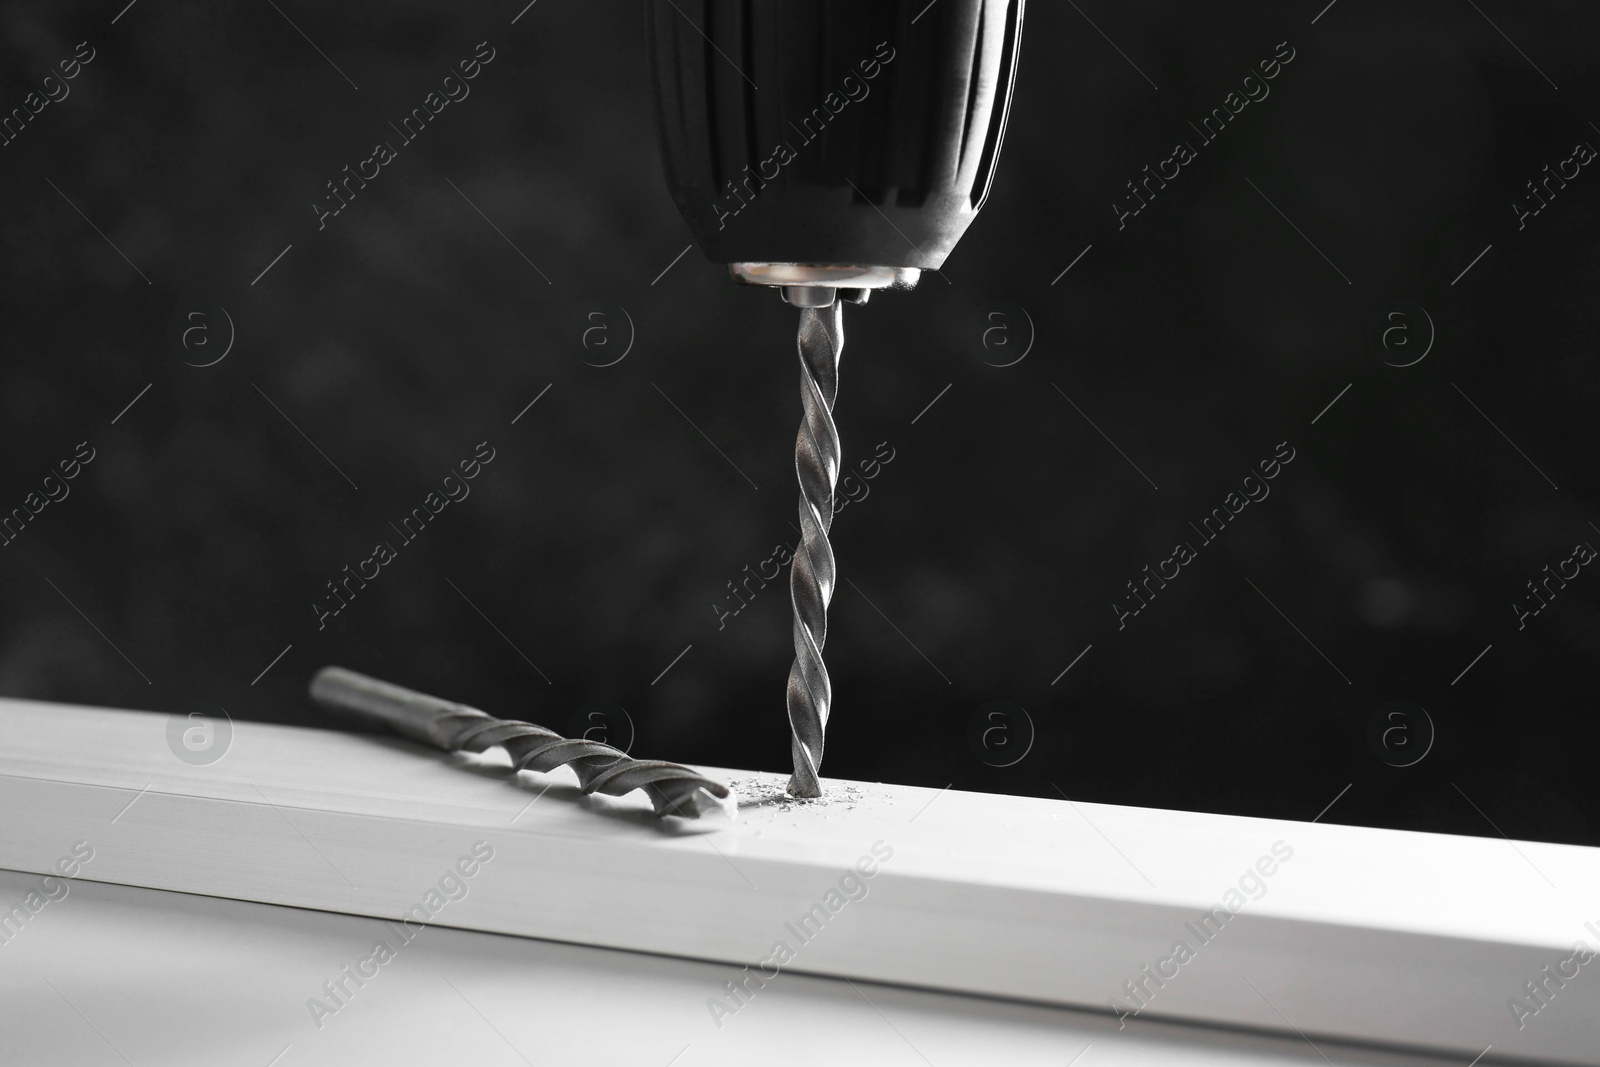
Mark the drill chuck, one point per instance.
(837, 143)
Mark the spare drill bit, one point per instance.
(811, 575)
(672, 789)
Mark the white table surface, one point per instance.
(113, 975)
(1399, 939)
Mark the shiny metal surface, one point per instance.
(672, 789)
(830, 275)
(811, 575)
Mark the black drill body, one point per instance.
(832, 131)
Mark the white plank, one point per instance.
(181, 981)
(1399, 938)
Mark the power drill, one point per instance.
(828, 148)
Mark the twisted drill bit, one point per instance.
(672, 789)
(811, 575)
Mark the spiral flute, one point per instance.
(811, 575)
(672, 789)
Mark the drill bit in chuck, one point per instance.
(672, 789)
(811, 575)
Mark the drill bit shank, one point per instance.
(812, 575)
(672, 789)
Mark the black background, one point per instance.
(989, 551)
